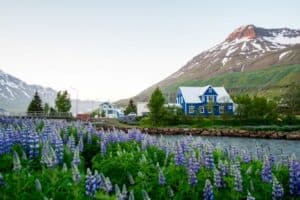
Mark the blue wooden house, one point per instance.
(204, 100)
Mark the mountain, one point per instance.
(248, 48)
(15, 95)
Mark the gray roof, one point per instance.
(192, 94)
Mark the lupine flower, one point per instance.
(217, 178)
(90, 184)
(108, 185)
(76, 157)
(277, 189)
(192, 177)
(208, 193)
(24, 157)
(71, 143)
(209, 160)
(266, 173)
(131, 195)
(246, 157)
(145, 195)
(59, 148)
(238, 181)
(161, 177)
(65, 168)
(259, 153)
(103, 146)
(130, 178)
(294, 185)
(16, 162)
(250, 197)
(75, 174)
(1, 142)
(33, 145)
(179, 156)
(38, 185)
(48, 155)
(80, 144)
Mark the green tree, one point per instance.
(156, 107)
(63, 101)
(292, 99)
(131, 107)
(36, 104)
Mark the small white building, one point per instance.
(110, 110)
(142, 108)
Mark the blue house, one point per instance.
(204, 100)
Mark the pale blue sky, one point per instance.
(114, 49)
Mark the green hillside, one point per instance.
(271, 81)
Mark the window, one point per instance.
(200, 98)
(209, 109)
(209, 90)
(181, 98)
(221, 109)
(229, 107)
(201, 109)
(210, 98)
(191, 109)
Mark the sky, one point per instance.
(109, 50)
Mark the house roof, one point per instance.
(192, 94)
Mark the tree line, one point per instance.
(62, 104)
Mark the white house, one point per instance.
(110, 110)
(142, 108)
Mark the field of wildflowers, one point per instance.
(55, 159)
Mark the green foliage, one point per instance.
(131, 107)
(63, 101)
(36, 104)
(156, 107)
(256, 108)
(291, 99)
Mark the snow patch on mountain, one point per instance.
(284, 54)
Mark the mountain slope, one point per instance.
(15, 95)
(248, 48)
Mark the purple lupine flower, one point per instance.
(209, 160)
(1, 142)
(277, 189)
(266, 173)
(217, 178)
(246, 157)
(59, 148)
(238, 180)
(80, 144)
(208, 193)
(192, 177)
(16, 162)
(179, 156)
(7, 143)
(223, 168)
(294, 168)
(90, 184)
(71, 143)
(271, 159)
(98, 179)
(103, 147)
(76, 157)
(33, 145)
(161, 177)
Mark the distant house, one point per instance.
(83, 117)
(110, 110)
(142, 108)
(205, 101)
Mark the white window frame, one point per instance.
(201, 109)
(191, 107)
